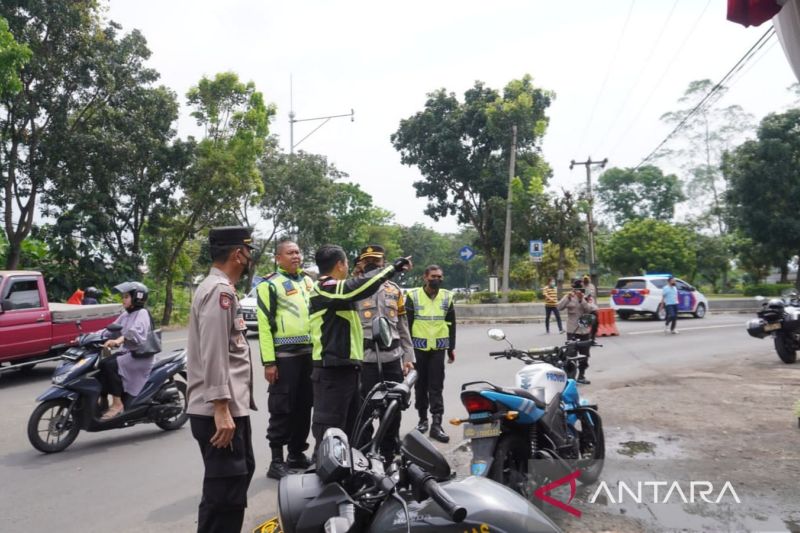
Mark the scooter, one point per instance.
(539, 431)
(351, 491)
(779, 318)
(73, 402)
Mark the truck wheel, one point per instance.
(52, 426)
(168, 424)
(784, 345)
(700, 312)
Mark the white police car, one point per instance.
(248, 305)
(642, 295)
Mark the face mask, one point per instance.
(248, 265)
(434, 283)
(553, 285)
(369, 267)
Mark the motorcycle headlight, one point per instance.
(59, 379)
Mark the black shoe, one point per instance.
(437, 433)
(298, 460)
(422, 427)
(277, 470)
(583, 381)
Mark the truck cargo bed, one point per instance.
(63, 313)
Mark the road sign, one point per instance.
(536, 258)
(536, 248)
(466, 253)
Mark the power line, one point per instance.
(608, 73)
(661, 79)
(714, 90)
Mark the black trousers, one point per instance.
(336, 400)
(227, 476)
(111, 380)
(289, 403)
(430, 382)
(392, 371)
(552, 311)
(583, 364)
(672, 315)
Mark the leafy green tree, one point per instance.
(567, 230)
(462, 150)
(645, 192)
(650, 245)
(12, 58)
(764, 186)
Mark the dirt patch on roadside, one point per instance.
(725, 423)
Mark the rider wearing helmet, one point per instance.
(91, 296)
(126, 372)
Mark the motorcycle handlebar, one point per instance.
(431, 488)
(497, 353)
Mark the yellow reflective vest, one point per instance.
(283, 318)
(430, 330)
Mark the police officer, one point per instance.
(398, 359)
(577, 304)
(432, 321)
(338, 338)
(220, 376)
(285, 338)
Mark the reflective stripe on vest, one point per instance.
(291, 315)
(430, 330)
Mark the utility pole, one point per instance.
(292, 120)
(507, 242)
(589, 217)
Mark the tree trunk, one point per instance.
(797, 277)
(784, 273)
(14, 253)
(561, 261)
(168, 301)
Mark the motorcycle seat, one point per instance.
(166, 360)
(522, 393)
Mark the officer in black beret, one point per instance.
(220, 383)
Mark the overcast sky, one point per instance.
(615, 67)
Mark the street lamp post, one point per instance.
(325, 119)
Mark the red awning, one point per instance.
(753, 12)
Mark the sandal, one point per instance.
(111, 413)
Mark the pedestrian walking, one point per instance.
(338, 339)
(398, 358)
(220, 383)
(576, 305)
(669, 299)
(550, 293)
(284, 335)
(432, 321)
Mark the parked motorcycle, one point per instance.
(541, 429)
(73, 402)
(352, 490)
(779, 318)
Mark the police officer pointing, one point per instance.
(398, 359)
(285, 338)
(220, 379)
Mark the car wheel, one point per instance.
(661, 313)
(624, 315)
(700, 312)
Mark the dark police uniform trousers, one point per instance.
(289, 402)
(392, 371)
(430, 381)
(228, 472)
(335, 387)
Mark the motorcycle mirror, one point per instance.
(496, 334)
(382, 332)
(114, 328)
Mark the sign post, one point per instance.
(466, 253)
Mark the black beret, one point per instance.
(231, 236)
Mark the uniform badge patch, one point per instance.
(289, 288)
(225, 300)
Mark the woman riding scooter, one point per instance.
(123, 373)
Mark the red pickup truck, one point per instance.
(33, 330)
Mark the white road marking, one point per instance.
(661, 330)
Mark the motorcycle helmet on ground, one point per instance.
(138, 292)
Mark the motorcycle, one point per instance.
(539, 431)
(779, 318)
(74, 401)
(351, 490)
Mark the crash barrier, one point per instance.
(606, 323)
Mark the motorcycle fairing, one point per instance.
(571, 394)
(57, 392)
(529, 413)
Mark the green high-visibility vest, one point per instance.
(291, 323)
(430, 331)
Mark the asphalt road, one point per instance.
(144, 479)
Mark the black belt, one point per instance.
(369, 344)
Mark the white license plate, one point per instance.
(772, 327)
(482, 431)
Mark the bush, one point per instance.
(516, 297)
(767, 289)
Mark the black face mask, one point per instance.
(247, 266)
(369, 267)
(434, 283)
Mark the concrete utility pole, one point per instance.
(512, 161)
(589, 218)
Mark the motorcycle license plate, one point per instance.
(772, 327)
(482, 431)
(270, 526)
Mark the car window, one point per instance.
(253, 293)
(24, 294)
(659, 283)
(630, 284)
(682, 285)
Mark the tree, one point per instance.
(75, 68)
(650, 245)
(644, 192)
(701, 141)
(13, 57)
(462, 150)
(223, 173)
(764, 186)
(567, 230)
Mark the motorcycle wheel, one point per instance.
(52, 426)
(784, 345)
(180, 419)
(593, 448)
(510, 464)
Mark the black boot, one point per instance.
(582, 379)
(298, 460)
(422, 427)
(437, 432)
(278, 467)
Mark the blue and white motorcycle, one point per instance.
(538, 431)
